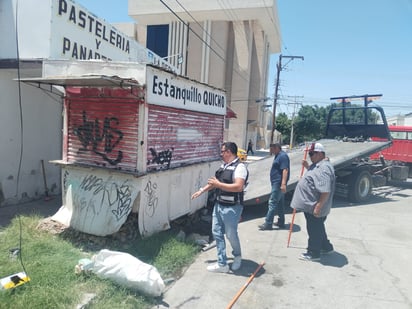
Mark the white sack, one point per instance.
(128, 271)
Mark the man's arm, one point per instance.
(284, 180)
(237, 186)
(318, 207)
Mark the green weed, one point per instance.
(49, 260)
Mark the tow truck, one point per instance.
(352, 134)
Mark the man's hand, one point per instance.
(305, 164)
(317, 209)
(213, 182)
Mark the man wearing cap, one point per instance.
(279, 176)
(313, 195)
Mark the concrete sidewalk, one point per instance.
(369, 268)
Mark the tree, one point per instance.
(283, 125)
(310, 123)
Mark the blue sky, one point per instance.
(351, 47)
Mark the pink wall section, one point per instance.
(180, 137)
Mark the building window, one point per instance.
(157, 39)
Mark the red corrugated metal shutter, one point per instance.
(102, 127)
(179, 137)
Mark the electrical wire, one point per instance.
(21, 133)
(187, 25)
(20, 104)
(203, 29)
(227, 11)
(21, 248)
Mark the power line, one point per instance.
(202, 40)
(187, 25)
(203, 29)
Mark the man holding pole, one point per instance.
(279, 176)
(314, 195)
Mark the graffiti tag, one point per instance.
(91, 135)
(116, 196)
(162, 157)
(152, 199)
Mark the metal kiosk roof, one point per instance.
(81, 81)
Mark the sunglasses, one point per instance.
(311, 153)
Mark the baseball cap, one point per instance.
(318, 147)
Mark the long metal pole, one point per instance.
(233, 301)
(294, 210)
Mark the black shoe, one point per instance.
(308, 256)
(265, 227)
(280, 225)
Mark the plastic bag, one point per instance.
(84, 266)
(128, 271)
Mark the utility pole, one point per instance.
(275, 99)
(293, 118)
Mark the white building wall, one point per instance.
(240, 83)
(46, 29)
(30, 124)
(230, 50)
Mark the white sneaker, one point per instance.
(216, 268)
(237, 262)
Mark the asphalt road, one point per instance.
(370, 267)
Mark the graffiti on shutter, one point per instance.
(102, 128)
(179, 137)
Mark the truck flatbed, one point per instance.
(341, 154)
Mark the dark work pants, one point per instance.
(318, 240)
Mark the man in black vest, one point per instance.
(229, 182)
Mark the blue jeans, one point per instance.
(225, 220)
(276, 202)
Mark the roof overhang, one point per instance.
(82, 81)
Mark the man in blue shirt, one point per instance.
(279, 176)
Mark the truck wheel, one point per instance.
(361, 186)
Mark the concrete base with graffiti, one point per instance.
(98, 202)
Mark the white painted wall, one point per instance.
(98, 201)
(38, 139)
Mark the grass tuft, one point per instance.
(49, 260)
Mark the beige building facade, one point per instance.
(225, 44)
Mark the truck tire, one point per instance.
(360, 187)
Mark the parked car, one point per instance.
(242, 154)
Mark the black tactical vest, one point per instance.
(225, 175)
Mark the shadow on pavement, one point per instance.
(334, 259)
(248, 268)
